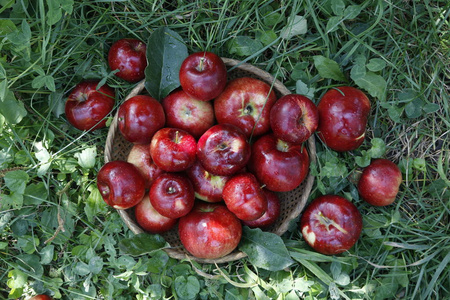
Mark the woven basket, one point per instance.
(292, 203)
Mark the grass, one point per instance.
(58, 237)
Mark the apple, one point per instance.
(379, 182)
(207, 186)
(172, 195)
(203, 75)
(121, 184)
(41, 297)
(86, 107)
(294, 118)
(150, 219)
(129, 57)
(210, 230)
(173, 149)
(246, 102)
(271, 215)
(223, 149)
(139, 118)
(331, 224)
(343, 114)
(184, 112)
(139, 156)
(279, 165)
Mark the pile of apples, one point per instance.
(212, 155)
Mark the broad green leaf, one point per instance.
(16, 181)
(55, 7)
(94, 203)
(81, 268)
(414, 108)
(431, 108)
(187, 287)
(328, 68)
(333, 24)
(3, 89)
(30, 264)
(374, 84)
(142, 243)
(296, 25)
(17, 279)
(56, 103)
(266, 37)
(95, 264)
(244, 46)
(5, 218)
(87, 157)
(164, 58)
(376, 64)
(44, 80)
(28, 243)
(338, 6)
(35, 193)
(264, 249)
(7, 26)
(378, 148)
(352, 11)
(47, 254)
(12, 110)
(303, 89)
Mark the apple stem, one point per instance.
(328, 222)
(177, 137)
(201, 66)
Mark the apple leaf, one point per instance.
(328, 68)
(142, 243)
(166, 52)
(264, 249)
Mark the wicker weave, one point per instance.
(292, 203)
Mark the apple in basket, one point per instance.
(150, 219)
(139, 156)
(271, 215)
(128, 56)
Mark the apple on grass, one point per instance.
(380, 182)
(128, 56)
(246, 103)
(210, 230)
(150, 219)
(86, 107)
(139, 156)
(331, 224)
(41, 297)
(271, 215)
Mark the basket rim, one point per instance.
(236, 254)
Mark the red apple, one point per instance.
(86, 107)
(129, 57)
(280, 165)
(184, 112)
(271, 215)
(223, 149)
(203, 75)
(246, 103)
(139, 118)
(207, 186)
(41, 297)
(121, 184)
(343, 114)
(151, 220)
(173, 149)
(210, 230)
(139, 156)
(331, 224)
(379, 182)
(172, 195)
(244, 197)
(294, 118)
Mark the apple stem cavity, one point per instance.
(328, 222)
(201, 65)
(282, 146)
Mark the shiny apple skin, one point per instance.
(121, 184)
(380, 182)
(150, 219)
(271, 215)
(184, 112)
(203, 75)
(343, 115)
(246, 103)
(294, 118)
(331, 224)
(129, 57)
(86, 108)
(139, 118)
(244, 197)
(172, 195)
(139, 156)
(279, 165)
(210, 230)
(41, 297)
(223, 149)
(207, 186)
(173, 149)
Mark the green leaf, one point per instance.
(95, 264)
(27, 243)
(30, 264)
(17, 279)
(12, 109)
(414, 108)
(266, 37)
(376, 64)
(374, 84)
(378, 148)
(244, 46)
(55, 7)
(352, 11)
(165, 57)
(303, 89)
(328, 68)
(338, 6)
(16, 181)
(142, 243)
(94, 203)
(47, 254)
(87, 157)
(333, 23)
(431, 108)
(44, 80)
(187, 287)
(7, 26)
(296, 25)
(35, 194)
(264, 249)
(56, 103)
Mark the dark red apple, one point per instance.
(207, 186)
(173, 149)
(331, 224)
(223, 149)
(139, 118)
(184, 112)
(139, 156)
(279, 165)
(129, 57)
(203, 75)
(172, 195)
(41, 297)
(121, 184)
(151, 220)
(271, 215)
(294, 118)
(246, 102)
(210, 230)
(343, 114)
(86, 107)
(379, 182)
